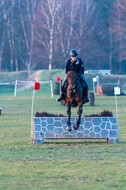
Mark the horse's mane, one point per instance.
(71, 75)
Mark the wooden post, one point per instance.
(0, 110)
(92, 98)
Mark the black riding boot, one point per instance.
(85, 92)
(63, 89)
(86, 99)
(62, 96)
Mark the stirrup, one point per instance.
(86, 100)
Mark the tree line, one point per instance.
(39, 34)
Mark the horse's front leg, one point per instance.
(68, 117)
(79, 113)
(80, 110)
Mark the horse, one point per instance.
(74, 98)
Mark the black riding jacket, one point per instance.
(76, 66)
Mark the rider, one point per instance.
(74, 64)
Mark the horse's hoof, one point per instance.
(68, 129)
(75, 127)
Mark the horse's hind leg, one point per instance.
(80, 110)
(68, 117)
(79, 113)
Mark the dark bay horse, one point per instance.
(74, 98)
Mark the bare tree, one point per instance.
(27, 23)
(110, 49)
(87, 11)
(118, 31)
(49, 12)
(3, 18)
(38, 34)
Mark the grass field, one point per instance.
(75, 164)
(60, 164)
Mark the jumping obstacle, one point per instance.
(90, 128)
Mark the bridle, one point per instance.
(75, 85)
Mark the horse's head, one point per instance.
(72, 81)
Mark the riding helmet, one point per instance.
(73, 53)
